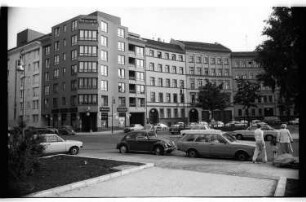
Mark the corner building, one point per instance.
(85, 68)
(206, 61)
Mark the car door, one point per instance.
(202, 145)
(219, 147)
(54, 144)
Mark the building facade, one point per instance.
(165, 82)
(24, 87)
(206, 61)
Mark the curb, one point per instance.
(54, 191)
(281, 187)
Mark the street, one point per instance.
(104, 146)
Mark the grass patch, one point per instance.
(62, 170)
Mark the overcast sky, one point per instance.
(237, 26)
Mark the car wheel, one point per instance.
(74, 150)
(241, 156)
(158, 150)
(192, 153)
(269, 137)
(123, 149)
(239, 137)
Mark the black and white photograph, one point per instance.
(128, 100)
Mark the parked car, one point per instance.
(215, 143)
(54, 144)
(161, 127)
(176, 129)
(235, 124)
(217, 124)
(273, 120)
(269, 132)
(133, 127)
(66, 130)
(145, 141)
(195, 130)
(295, 121)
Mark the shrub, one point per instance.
(23, 159)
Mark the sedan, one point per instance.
(145, 141)
(54, 144)
(235, 124)
(269, 132)
(214, 143)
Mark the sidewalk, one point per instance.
(164, 182)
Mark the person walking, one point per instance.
(285, 139)
(260, 145)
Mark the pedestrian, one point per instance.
(274, 147)
(260, 145)
(285, 139)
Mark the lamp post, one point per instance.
(21, 67)
(183, 96)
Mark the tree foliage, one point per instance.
(212, 98)
(247, 93)
(277, 55)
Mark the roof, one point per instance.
(37, 39)
(244, 54)
(200, 46)
(164, 46)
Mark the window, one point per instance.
(174, 81)
(167, 68)
(151, 66)
(74, 69)
(90, 51)
(205, 60)
(122, 101)
(139, 51)
(199, 70)
(175, 98)
(213, 72)
(104, 85)
(167, 82)
(47, 61)
(226, 72)
(65, 28)
(36, 66)
(169, 113)
(88, 66)
(219, 61)
(35, 92)
(121, 73)
(46, 76)
(162, 113)
(74, 54)
(56, 31)
(55, 104)
(139, 63)
(173, 57)
(64, 56)
(47, 50)
(161, 97)
(199, 60)
(47, 90)
(64, 86)
(55, 88)
(88, 35)
(56, 73)
(121, 59)
(176, 113)
(87, 83)
(191, 59)
(151, 53)
(104, 70)
(56, 45)
(181, 83)
(152, 96)
(120, 32)
(193, 97)
(167, 56)
(104, 100)
(160, 82)
(140, 89)
(103, 55)
(87, 99)
(181, 70)
(225, 61)
(74, 25)
(212, 61)
(120, 46)
(174, 69)
(200, 82)
(191, 70)
(104, 41)
(159, 54)
(74, 85)
(219, 72)
(192, 84)
(152, 81)
(56, 59)
(160, 68)
(74, 40)
(181, 58)
(104, 27)
(168, 97)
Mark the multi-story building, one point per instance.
(24, 87)
(206, 61)
(244, 66)
(136, 76)
(85, 67)
(165, 82)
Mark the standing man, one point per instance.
(285, 140)
(260, 144)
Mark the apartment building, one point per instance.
(244, 66)
(206, 61)
(85, 63)
(24, 87)
(165, 82)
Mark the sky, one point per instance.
(236, 26)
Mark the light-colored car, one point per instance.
(295, 121)
(215, 143)
(195, 128)
(161, 126)
(236, 124)
(54, 144)
(217, 124)
(133, 127)
(269, 132)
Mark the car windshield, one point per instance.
(229, 137)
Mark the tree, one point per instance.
(247, 94)
(211, 98)
(277, 55)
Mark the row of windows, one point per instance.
(166, 56)
(169, 113)
(205, 60)
(252, 112)
(159, 68)
(244, 63)
(161, 83)
(212, 72)
(202, 82)
(167, 99)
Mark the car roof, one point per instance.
(206, 131)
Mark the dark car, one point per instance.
(66, 130)
(145, 141)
